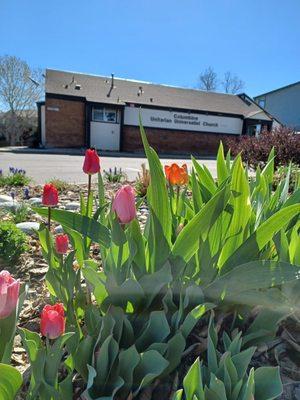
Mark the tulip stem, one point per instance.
(177, 197)
(49, 217)
(89, 185)
(88, 290)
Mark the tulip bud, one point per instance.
(53, 321)
(177, 175)
(62, 243)
(50, 195)
(124, 204)
(91, 163)
(9, 294)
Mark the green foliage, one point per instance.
(10, 382)
(281, 173)
(157, 196)
(114, 175)
(226, 375)
(86, 226)
(20, 213)
(11, 180)
(45, 363)
(12, 243)
(232, 244)
(123, 352)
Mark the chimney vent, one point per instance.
(112, 86)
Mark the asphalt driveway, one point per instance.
(43, 167)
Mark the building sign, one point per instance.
(183, 121)
(53, 108)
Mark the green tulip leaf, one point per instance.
(268, 385)
(187, 242)
(10, 382)
(151, 365)
(192, 382)
(86, 226)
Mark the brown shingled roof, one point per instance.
(96, 89)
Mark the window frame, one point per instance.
(262, 100)
(105, 110)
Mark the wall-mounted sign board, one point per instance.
(183, 121)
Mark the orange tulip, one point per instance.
(177, 175)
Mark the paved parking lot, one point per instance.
(42, 167)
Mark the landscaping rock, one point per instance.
(29, 228)
(9, 205)
(58, 229)
(72, 206)
(38, 272)
(35, 201)
(4, 198)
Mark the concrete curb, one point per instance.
(76, 152)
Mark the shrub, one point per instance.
(12, 242)
(15, 177)
(255, 150)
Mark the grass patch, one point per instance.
(60, 184)
(15, 177)
(114, 175)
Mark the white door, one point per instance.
(105, 136)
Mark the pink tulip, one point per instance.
(53, 321)
(9, 294)
(124, 204)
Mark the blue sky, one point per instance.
(160, 41)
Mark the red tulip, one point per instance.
(50, 195)
(53, 321)
(91, 163)
(177, 175)
(9, 294)
(124, 204)
(62, 243)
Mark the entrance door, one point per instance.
(105, 136)
(105, 129)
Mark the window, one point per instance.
(262, 102)
(102, 114)
(254, 130)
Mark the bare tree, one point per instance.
(20, 88)
(232, 83)
(208, 80)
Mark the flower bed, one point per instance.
(197, 303)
